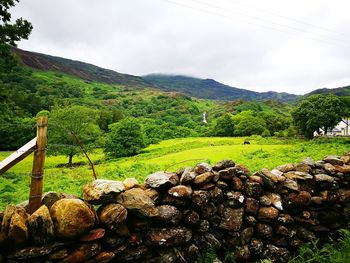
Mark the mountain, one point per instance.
(85, 71)
(211, 89)
(342, 91)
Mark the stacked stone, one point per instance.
(177, 217)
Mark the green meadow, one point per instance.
(168, 155)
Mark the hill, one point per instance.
(85, 71)
(211, 89)
(199, 88)
(342, 91)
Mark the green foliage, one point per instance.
(64, 122)
(335, 253)
(126, 138)
(317, 112)
(10, 33)
(224, 126)
(246, 124)
(16, 132)
(43, 113)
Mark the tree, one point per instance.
(247, 124)
(81, 121)
(275, 123)
(126, 138)
(224, 126)
(11, 32)
(317, 112)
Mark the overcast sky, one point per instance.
(291, 46)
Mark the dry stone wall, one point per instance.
(177, 217)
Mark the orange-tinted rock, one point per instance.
(345, 169)
(180, 191)
(6, 220)
(203, 178)
(112, 215)
(71, 218)
(130, 183)
(18, 231)
(267, 214)
(41, 227)
(137, 201)
(298, 200)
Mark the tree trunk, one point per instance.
(70, 161)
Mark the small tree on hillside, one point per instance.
(317, 112)
(79, 120)
(126, 138)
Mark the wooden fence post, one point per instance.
(36, 186)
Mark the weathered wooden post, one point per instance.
(36, 186)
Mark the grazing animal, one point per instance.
(246, 142)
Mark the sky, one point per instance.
(286, 46)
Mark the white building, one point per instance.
(341, 129)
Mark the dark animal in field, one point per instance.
(246, 142)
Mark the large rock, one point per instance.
(137, 201)
(267, 214)
(71, 218)
(18, 231)
(41, 226)
(324, 178)
(112, 215)
(232, 219)
(169, 214)
(203, 178)
(187, 176)
(163, 237)
(102, 191)
(333, 159)
(202, 168)
(6, 220)
(130, 183)
(298, 175)
(161, 180)
(223, 165)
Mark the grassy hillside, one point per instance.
(167, 155)
(211, 89)
(85, 71)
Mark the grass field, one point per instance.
(168, 155)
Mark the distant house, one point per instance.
(341, 129)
